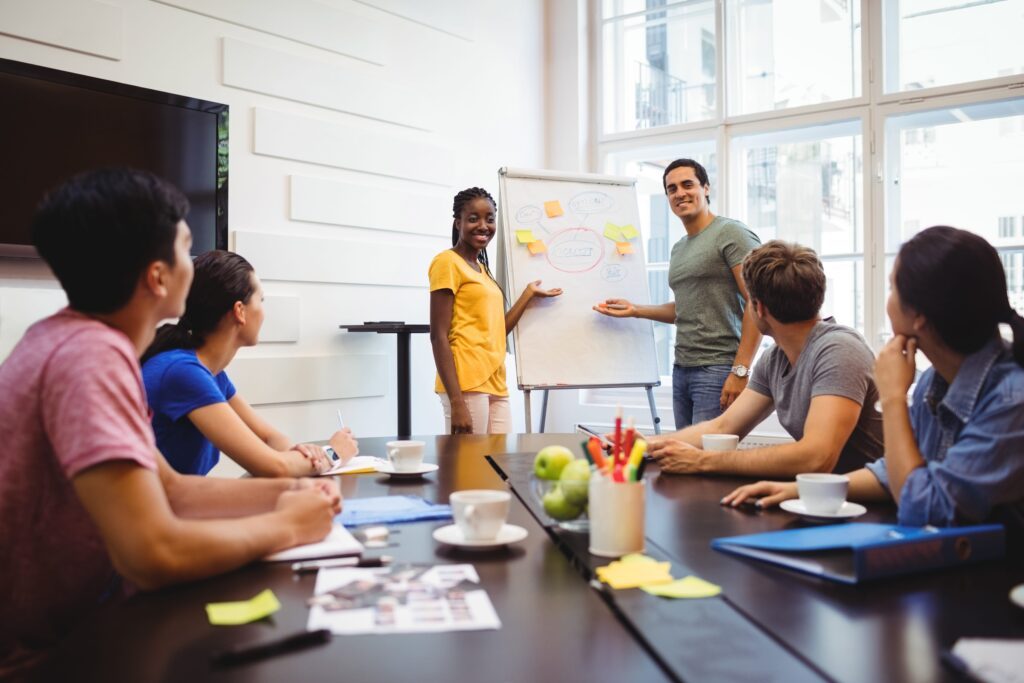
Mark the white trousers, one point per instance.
(488, 412)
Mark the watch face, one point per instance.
(740, 370)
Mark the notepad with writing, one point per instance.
(851, 553)
(338, 543)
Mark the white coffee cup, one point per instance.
(405, 456)
(720, 442)
(480, 513)
(822, 494)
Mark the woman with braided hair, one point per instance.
(953, 455)
(468, 321)
(196, 411)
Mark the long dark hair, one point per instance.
(221, 278)
(956, 280)
(461, 199)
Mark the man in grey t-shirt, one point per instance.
(715, 338)
(818, 378)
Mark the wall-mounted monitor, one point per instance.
(54, 124)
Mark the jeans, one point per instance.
(697, 393)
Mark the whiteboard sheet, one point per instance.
(581, 220)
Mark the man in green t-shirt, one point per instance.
(716, 336)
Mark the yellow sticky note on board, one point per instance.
(628, 231)
(687, 587)
(243, 611)
(525, 236)
(537, 247)
(553, 208)
(613, 232)
(624, 248)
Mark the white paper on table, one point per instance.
(480, 614)
(359, 463)
(992, 660)
(337, 543)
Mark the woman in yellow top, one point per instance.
(468, 322)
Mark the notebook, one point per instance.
(337, 543)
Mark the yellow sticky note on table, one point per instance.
(243, 611)
(537, 247)
(628, 231)
(633, 574)
(553, 208)
(688, 587)
(635, 557)
(624, 248)
(525, 236)
(613, 232)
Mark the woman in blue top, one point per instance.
(196, 411)
(954, 456)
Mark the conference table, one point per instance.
(768, 624)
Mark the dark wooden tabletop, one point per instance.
(887, 630)
(554, 626)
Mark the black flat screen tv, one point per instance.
(54, 124)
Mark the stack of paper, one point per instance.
(360, 464)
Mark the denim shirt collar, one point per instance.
(960, 397)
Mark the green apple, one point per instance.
(550, 461)
(556, 505)
(574, 481)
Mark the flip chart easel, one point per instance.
(580, 232)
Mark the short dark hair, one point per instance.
(221, 278)
(787, 278)
(100, 229)
(955, 279)
(698, 170)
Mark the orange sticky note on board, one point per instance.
(537, 247)
(624, 248)
(525, 236)
(553, 208)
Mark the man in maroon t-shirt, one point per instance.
(85, 498)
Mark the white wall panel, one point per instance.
(401, 154)
(450, 16)
(333, 86)
(94, 28)
(304, 21)
(20, 308)
(281, 319)
(313, 259)
(293, 379)
(328, 201)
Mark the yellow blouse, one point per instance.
(477, 333)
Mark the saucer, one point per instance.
(847, 511)
(424, 468)
(1017, 595)
(452, 535)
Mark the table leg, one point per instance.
(404, 399)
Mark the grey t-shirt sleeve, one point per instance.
(842, 367)
(735, 241)
(760, 377)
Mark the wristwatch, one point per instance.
(740, 370)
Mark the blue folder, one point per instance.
(851, 553)
(390, 510)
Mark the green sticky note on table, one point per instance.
(628, 231)
(613, 232)
(525, 236)
(688, 587)
(243, 611)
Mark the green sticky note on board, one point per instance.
(525, 236)
(613, 232)
(243, 611)
(688, 587)
(628, 231)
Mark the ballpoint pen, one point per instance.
(290, 643)
(313, 565)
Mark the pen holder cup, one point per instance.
(616, 517)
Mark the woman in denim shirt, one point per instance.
(956, 455)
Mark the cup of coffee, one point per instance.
(822, 494)
(405, 456)
(480, 513)
(720, 442)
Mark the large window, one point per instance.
(845, 125)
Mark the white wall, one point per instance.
(352, 125)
